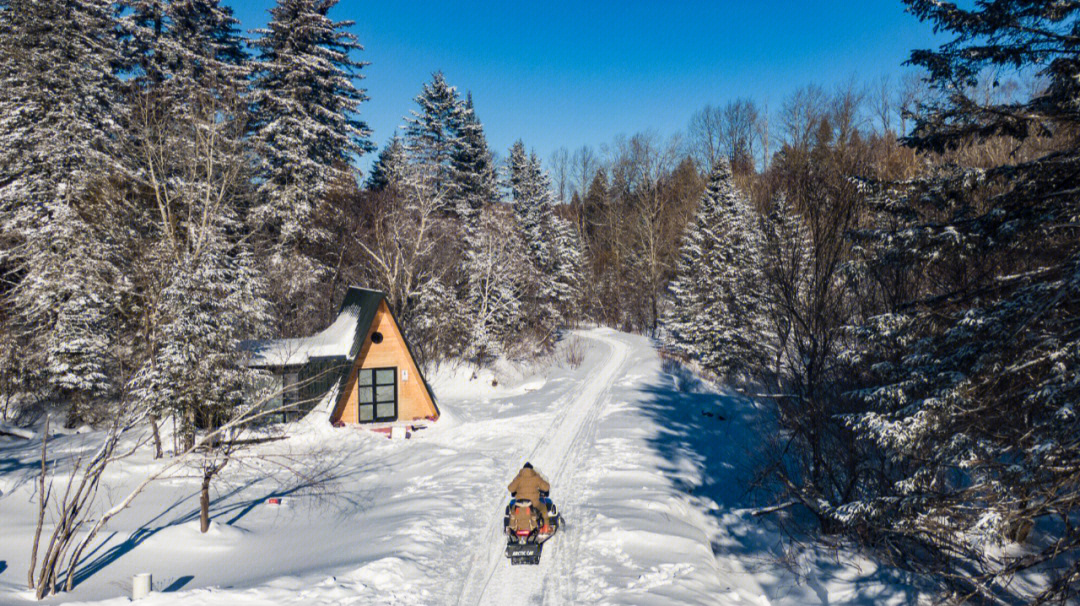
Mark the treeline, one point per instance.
(470, 276)
(911, 312)
(894, 268)
(160, 190)
(169, 188)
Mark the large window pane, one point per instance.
(367, 413)
(363, 377)
(384, 393)
(386, 410)
(384, 376)
(363, 395)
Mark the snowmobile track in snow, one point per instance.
(559, 449)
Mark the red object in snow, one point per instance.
(273, 501)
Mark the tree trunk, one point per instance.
(204, 504)
(43, 498)
(157, 436)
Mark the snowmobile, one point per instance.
(522, 526)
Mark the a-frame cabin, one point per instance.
(361, 367)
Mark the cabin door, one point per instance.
(376, 395)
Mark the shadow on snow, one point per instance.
(721, 436)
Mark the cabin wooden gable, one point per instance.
(384, 383)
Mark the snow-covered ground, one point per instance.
(649, 468)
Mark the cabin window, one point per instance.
(289, 381)
(322, 374)
(376, 394)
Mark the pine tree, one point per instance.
(436, 322)
(532, 204)
(569, 268)
(491, 286)
(531, 201)
(142, 26)
(175, 46)
(969, 367)
(594, 209)
(305, 130)
(390, 168)
(213, 299)
(433, 134)
(59, 129)
(788, 254)
(58, 126)
(551, 243)
(500, 278)
(716, 301)
(473, 181)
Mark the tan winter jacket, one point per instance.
(527, 485)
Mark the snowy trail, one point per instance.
(491, 579)
(647, 464)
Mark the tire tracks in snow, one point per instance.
(492, 580)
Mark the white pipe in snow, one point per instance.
(140, 585)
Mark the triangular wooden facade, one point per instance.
(363, 356)
(414, 399)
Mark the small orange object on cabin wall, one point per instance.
(387, 350)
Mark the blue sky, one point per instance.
(566, 73)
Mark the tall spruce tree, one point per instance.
(433, 135)
(569, 269)
(390, 167)
(788, 256)
(550, 242)
(473, 179)
(175, 46)
(532, 208)
(59, 129)
(490, 287)
(971, 385)
(716, 312)
(306, 130)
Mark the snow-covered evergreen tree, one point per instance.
(532, 204)
(175, 46)
(500, 280)
(212, 300)
(436, 320)
(473, 180)
(492, 285)
(531, 201)
(569, 268)
(552, 245)
(59, 129)
(716, 311)
(58, 126)
(391, 166)
(433, 133)
(306, 130)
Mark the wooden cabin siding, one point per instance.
(414, 401)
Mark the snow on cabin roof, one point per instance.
(343, 338)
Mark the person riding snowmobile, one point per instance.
(528, 484)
